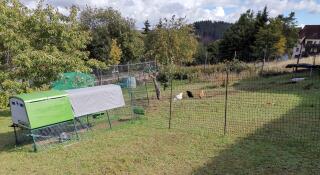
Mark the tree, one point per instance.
(209, 31)
(280, 46)
(254, 37)
(146, 28)
(172, 41)
(269, 41)
(290, 30)
(108, 24)
(115, 53)
(239, 38)
(213, 52)
(37, 45)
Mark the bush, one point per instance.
(193, 73)
(237, 66)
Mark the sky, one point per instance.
(307, 11)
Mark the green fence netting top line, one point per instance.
(73, 80)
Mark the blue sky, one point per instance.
(304, 17)
(307, 11)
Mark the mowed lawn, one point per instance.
(273, 127)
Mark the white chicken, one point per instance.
(178, 97)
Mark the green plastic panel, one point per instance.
(36, 96)
(47, 108)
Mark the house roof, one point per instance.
(310, 32)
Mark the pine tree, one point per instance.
(146, 28)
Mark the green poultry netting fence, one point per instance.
(73, 80)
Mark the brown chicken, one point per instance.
(201, 94)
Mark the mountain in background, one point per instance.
(208, 31)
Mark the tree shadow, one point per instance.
(289, 144)
(4, 113)
(8, 142)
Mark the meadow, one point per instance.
(272, 127)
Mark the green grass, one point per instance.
(272, 128)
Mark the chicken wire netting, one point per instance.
(62, 133)
(66, 133)
(265, 105)
(73, 80)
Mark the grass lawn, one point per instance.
(272, 128)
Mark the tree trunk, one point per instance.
(157, 88)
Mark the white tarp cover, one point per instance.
(91, 100)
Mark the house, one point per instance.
(309, 41)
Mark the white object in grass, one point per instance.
(178, 97)
(297, 79)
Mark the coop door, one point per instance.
(18, 112)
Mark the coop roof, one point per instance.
(38, 96)
(91, 100)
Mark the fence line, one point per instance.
(285, 106)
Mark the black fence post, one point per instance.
(226, 103)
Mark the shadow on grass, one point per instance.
(287, 145)
(8, 143)
(4, 113)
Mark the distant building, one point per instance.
(309, 41)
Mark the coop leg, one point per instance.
(15, 134)
(75, 129)
(88, 123)
(34, 142)
(109, 119)
(82, 125)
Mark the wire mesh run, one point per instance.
(51, 135)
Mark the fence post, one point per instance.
(146, 86)
(100, 71)
(170, 114)
(226, 103)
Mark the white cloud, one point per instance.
(141, 10)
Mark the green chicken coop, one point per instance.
(38, 110)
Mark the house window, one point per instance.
(297, 49)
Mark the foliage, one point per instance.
(146, 28)
(106, 25)
(270, 42)
(37, 45)
(172, 41)
(115, 53)
(236, 66)
(208, 54)
(238, 38)
(257, 36)
(290, 30)
(213, 52)
(281, 46)
(209, 31)
(201, 54)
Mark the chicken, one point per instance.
(178, 97)
(201, 94)
(189, 93)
